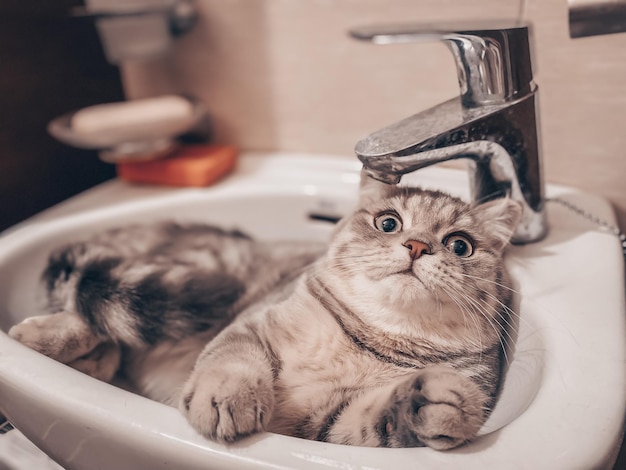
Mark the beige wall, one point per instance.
(283, 74)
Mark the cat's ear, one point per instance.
(500, 218)
(371, 189)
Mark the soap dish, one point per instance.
(136, 130)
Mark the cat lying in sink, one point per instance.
(393, 335)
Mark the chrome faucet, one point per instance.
(493, 123)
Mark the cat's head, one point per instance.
(416, 252)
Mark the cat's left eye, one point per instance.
(459, 245)
(388, 222)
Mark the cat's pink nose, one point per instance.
(417, 248)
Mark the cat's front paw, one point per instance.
(442, 408)
(225, 404)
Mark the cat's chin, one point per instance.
(411, 280)
(405, 289)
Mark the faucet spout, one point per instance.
(498, 137)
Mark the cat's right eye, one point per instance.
(388, 222)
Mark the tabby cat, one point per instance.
(391, 336)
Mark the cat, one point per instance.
(393, 335)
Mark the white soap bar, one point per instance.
(143, 113)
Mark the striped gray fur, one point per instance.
(356, 343)
(143, 284)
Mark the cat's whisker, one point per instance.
(500, 330)
(488, 197)
(543, 310)
(510, 312)
(461, 301)
(353, 255)
(496, 312)
(438, 303)
(499, 284)
(478, 310)
(506, 339)
(458, 304)
(357, 260)
(505, 307)
(492, 296)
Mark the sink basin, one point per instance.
(564, 398)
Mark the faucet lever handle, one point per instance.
(493, 61)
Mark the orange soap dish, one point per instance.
(192, 165)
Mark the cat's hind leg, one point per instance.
(102, 362)
(67, 338)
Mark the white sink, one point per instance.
(563, 402)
